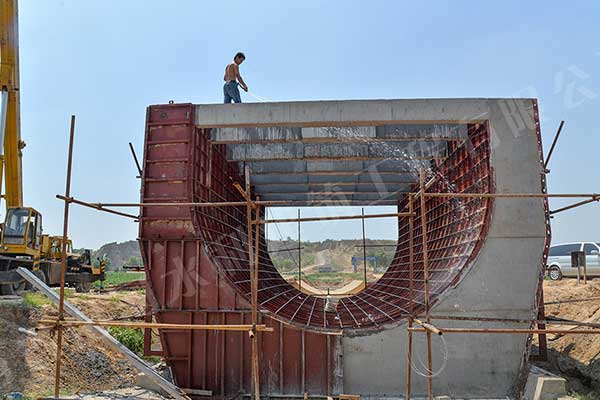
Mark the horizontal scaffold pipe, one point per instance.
(157, 325)
(102, 206)
(513, 331)
(333, 218)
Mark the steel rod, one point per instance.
(299, 255)
(282, 250)
(255, 293)
(333, 218)
(580, 203)
(137, 163)
(512, 195)
(571, 301)
(253, 286)
(410, 296)
(63, 261)
(364, 247)
(514, 331)
(562, 123)
(426, 279)
(326, 201)
(376, 245)
(516, 320)
(96, 207)
(154, 325)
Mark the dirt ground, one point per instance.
(27, 362)
(576, 357)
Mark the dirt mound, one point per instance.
(27, 362)
(576, 357)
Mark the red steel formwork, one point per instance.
(196, 261)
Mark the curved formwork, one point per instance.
(485, 256)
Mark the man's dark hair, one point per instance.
(239, 54)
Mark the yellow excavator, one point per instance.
(22, 242)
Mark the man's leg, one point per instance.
(226, 96)
(236, 94)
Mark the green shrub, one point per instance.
(132, 338)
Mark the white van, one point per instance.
(559, 259)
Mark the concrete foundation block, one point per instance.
(543, 385)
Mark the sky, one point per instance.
(105, 61)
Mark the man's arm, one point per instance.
(239, 78)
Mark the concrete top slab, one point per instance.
(347, 112)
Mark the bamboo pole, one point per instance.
(410, 296)
(63, 262)
(426, 279)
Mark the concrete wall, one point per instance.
(501, 282)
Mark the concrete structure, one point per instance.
(486, 256)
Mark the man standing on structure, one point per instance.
(232, 79)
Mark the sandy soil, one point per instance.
(27, 362)
(577, 357)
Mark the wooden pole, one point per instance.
(63, 262)
(364, 248)
(299, 255)
(410, 296)
(426, 279)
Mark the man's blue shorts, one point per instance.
(231, 92)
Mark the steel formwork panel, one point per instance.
(196, 261)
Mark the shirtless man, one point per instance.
(231, 78)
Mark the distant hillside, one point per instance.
(338, 253)
(119, 254)
(335, 253)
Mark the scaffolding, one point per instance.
(416, 323)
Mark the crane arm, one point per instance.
(9, 84)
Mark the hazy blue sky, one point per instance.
(105, 61)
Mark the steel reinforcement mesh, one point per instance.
(456, 229)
